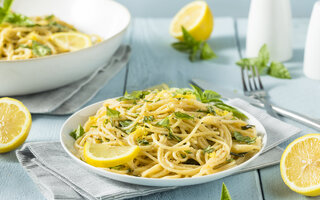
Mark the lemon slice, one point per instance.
(196, 18)
(102, 155)
(15, 123)
(300, 165)
(71, 41)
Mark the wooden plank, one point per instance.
(14, 181)
(154, 62)
(299, 94)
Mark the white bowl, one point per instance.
(82, 116)
(106, 18)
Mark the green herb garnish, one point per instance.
(181, 115)
(191, 161)
(243, 139)
(208, 149)
(275, 69)
(112, 113)
(234, 111)
(206, 96)
(148, 119)
(135, 95)
(125, 123)
(93, 126)
(143, 141)
(246, 127)
(40, 49)
(164, 122)
(118, 167)
(196, 49)
(5, 10)
(77, 133)
(225, 195)
(173, 136)
(188, 151)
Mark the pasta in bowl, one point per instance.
(184, 136)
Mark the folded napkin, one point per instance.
(70, 98)
(59, 177)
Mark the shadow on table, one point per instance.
(9, 157)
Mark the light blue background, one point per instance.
(233, 8)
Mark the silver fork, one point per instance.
(253, 87)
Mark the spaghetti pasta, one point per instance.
(181, 133)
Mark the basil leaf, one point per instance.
(210, 96)
(125, 123)
(5, 10)
(164, 122)
(193, 53)
(243, 139)
(40, 49)
(143, 141)
(135, 95)
(197, 92)
(246, 127)
(234, 111)
(278, 70)
(181, 115)
(187, 37)
(77, 133)
(19, 20)
(209, 149)
(188, 151)
(112, 113)
(148, 119)
(181, 46)
(264, 55)
(206, 52)
(172, 136)
(225, 193)
(238, 154)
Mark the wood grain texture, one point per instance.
(299, 94)
(154, 61)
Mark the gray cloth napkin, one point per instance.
(59, 177)
(68, 99)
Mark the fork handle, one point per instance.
(305, 120)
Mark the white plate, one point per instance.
(82, 116)
(108, 19)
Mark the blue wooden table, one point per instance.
(152, 62)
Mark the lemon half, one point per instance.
(71, 41)
(102, 155)
(300, 165)
(15, 124)
(196, 18)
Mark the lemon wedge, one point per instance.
(15, 123)
(196, 18)
(300, 165)
(102, 155)
(71, 41)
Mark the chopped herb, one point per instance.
(164, 122)
(118, 167)
(183, 155)
(77, 133)
(135, 95)
(211, 110)
(188, 151)
(234, 111)
(225, 195)
(173, 136)
(112, 113)
(40, 49)
(19, 20)
(191, 161)
(148, 101)
(49, 17)
(130, 170)
(60, 27)
(238, 154)
(243, 139)
(125, 123)
(93, 126)
(143, 141)
(181, 115)
(246, 127)
(99, 140)
(106, 121)
(206, 96)
(148, 119)
(209, 149)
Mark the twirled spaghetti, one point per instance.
(181, 133)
